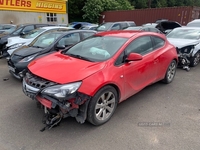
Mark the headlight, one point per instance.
(29, 58)
(15, 45)
(61, 91)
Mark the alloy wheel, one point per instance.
(171, 71)
(196, 59)
(105, 106)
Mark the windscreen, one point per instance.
(45, 39)
(97, 48)
(104, 26)
(32, 33)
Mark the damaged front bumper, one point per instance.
(74, 105)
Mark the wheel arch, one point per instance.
(112, 85)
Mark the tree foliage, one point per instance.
(163, 3)
(90, 10)
(93, 8)
(75, 9)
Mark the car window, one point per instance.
(124, 25)
(16, 32)
(28, 28)
(97, 48)
(120, 59)
(132, 24)
(45, 39)
(116, 27)
(87, 34)
(141, 45)
(158, 42)
(40, 25)
(104, 26)
(32, 33)
(70, 39)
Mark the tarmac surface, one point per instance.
(160, 117)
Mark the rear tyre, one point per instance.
(195, 60)
(102, 105)
(170, 73)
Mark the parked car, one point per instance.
(150, 24)
(18, 41)
(88, 80)
(107, 26)
(144, 28)
(7, 28)
(43, 44)
(90, 27)
(167, 26)
(194, 23)
(78, 25)
(161, 20)
(187, 41)
(21, 30)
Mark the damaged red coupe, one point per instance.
(88, 80)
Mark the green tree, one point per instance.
(93, 8)
(179, 3)
(75, 10)
(171, 3)
(158, 3)
(141, 4)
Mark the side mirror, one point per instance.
(59, 47)
(134, 57)
(22, 33)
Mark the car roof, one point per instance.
(55, 27)
(64, 30)
(186, 27)
(120, 22)
(120, 33)
(7, 24)
(196, 20)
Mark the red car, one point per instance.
(88, 80)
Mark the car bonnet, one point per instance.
(64, 69)
(180, 43)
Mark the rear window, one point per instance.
(132, 24)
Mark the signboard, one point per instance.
(51, 6)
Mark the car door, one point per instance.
(160, 59)
(139, 74)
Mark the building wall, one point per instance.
(19, 17)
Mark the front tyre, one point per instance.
(102, 105)
(194, 61)
(170, 73)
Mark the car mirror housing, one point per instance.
(134, 57)
(22, 33)
(60, 47)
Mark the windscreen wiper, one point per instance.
(37, 47)
(79, 57)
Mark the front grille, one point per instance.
(37, 82)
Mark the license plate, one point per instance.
(11, 68)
